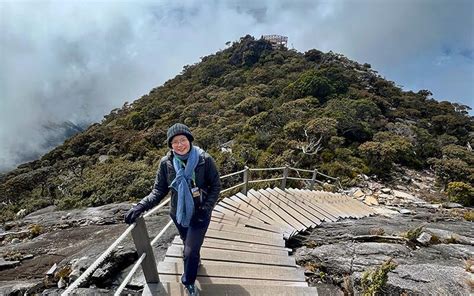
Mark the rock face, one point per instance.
(71, 240)
(424, 266)
(428, 279)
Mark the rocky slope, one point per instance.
(429, 245)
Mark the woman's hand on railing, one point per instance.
(134, 213)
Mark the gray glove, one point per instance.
(134, 213)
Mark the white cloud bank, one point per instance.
(77, 60)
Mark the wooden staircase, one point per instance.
(244, 249)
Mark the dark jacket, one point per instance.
(207, 179)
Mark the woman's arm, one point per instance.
(212, 178)
(160, 188)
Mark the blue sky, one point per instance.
(77, 60)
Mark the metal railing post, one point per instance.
(142, 243)
(246, 180)
(313, 180)
(339, 183)
(285, 176)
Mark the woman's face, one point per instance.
(180, 144)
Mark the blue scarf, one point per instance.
(182, 184)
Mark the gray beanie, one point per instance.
(178, 129)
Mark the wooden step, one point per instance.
(245, 238)
(236, 272)
(236, 246)
(236, 256)
(172, 288)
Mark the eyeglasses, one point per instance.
(179, 141)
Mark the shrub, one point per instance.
(373, 281)
(469, 216)
(451, 170)
(35, 230)
(461, 192)
(414, 233)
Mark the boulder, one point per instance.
(24, 287)
(115, 263)
(371, 200)
(385, 190)
(5, 264)
(61, 283)
(358, 193)
(452, 205)
(78, 266)
(403, 195)
(103, 158)
(424, 238)
(21, 213)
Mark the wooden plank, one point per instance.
(277, 210)
(241, 289)
(236, 281)
(230, 220)
(330, 203)
(245, 238)
(238, 243)
(255, 203)
(320, 204)
(263, 207)
(319, 197)
(228, 211)
(287, 209)
(247, 209)
(291, 207)
(236, 256)
(238, 247)
(316, 207)
(245, 230)
(214, 270)
(301, 207)
(205, 262)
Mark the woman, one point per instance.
(192, 176)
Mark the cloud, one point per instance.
(77, 60)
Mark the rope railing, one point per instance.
(232, 174)
(233, 187)
(302, 179)
(301, 170)
(139, 231)
(97, 262)
(161, 233)
(265, 180)
(129, 275)
(266, 169)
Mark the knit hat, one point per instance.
(178, 129)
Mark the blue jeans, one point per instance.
(192, 237)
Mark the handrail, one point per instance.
(162, 204)
(232, 174)
(266, 169)
(161, 233)
(329, 177)
(301, 170)
(302, 179)
(230, 188)
(265, 180)
(131, 228)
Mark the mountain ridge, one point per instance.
(276, 106)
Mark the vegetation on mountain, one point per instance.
(271, 107)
